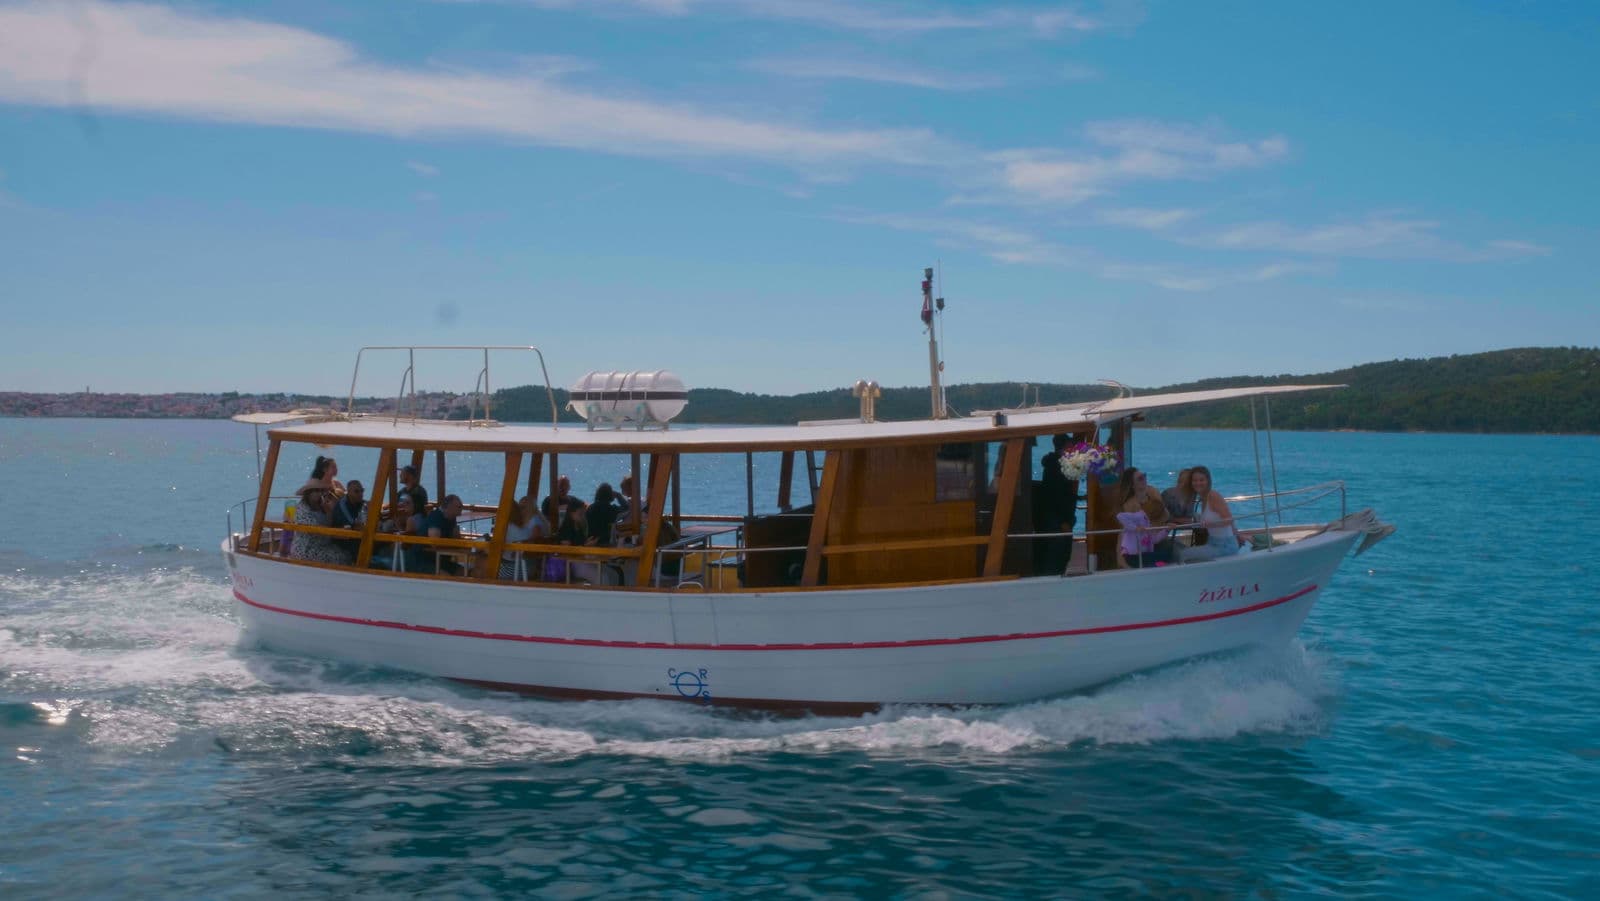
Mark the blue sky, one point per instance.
(214, 196)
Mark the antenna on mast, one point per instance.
(930, 306)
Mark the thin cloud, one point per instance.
(1390, 304)
(858, 70)
(422, 169)
(878, 18)
(152, 60)
(1077, 72)
(1007, 244)
(1148, 220)
(1179, 278)
(1129, 151)
(1380, 236)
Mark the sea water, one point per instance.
(1433, 731)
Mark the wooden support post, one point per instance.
(635, 503)
(749, 484)
(1104, 505)
(661, 469)
(384, 478)
(264, 495)
(1012, 465)
(438, 472)
(535, 462)
(555, 479)
(785, 480)
(502, 515)
(677, 497)
(819, 519)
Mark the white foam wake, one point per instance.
(148, 659)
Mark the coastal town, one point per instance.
(194, 405)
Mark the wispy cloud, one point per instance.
(1391, 303)
(875, 17)
(146, 59)
(1148, 220)
(882, 73)
(1186, 278)
(1379, 236)
(1077, 72)
(1127, 151)
(422, 169)
(1008, 244)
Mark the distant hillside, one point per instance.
(1533, 389)
(1527, 389)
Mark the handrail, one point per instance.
(916, 544)
(348, 533)
(703, 545)
(482, 380)
(577, 550)
(1325, 487)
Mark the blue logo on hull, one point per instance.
(691, 683)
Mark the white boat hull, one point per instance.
(969, 643)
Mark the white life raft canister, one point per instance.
(639, 397)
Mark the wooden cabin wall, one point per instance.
(1104, 504)
(887, 494)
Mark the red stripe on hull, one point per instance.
(818, 646)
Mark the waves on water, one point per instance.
(147, 662)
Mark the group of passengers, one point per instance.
(325, 502)
(1149, 517)
(562, 519)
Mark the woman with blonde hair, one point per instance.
(1207, 508)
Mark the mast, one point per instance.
(935, 366)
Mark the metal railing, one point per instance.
(1304, 497)
(480, 388)
(705, 549)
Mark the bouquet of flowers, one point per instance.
(1088, 459)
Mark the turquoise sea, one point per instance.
(1433, 732)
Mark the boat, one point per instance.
(898, 573)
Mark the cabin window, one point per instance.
(956, 472)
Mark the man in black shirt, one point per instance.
(350, 513)
(1058, 509)
(441, 523)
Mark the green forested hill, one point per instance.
(1531, 389)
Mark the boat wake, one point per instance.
(147, 662)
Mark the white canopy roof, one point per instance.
(378, 431)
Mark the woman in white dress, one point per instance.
(1209, 511)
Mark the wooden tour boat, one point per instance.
(902, 575)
